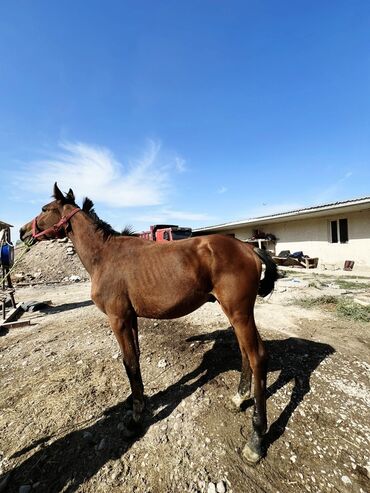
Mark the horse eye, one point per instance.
(44, 209)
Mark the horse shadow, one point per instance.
(67, 462)
(64, 307)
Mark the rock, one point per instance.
(346, 480)
(75, 278)
(63, 240)
(162, 363)
(25, 488)
(88, 436)
(103, 444)
(201, 484)
(4, 482)
(211, 488)
(19, 277)
(221, 487)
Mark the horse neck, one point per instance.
(87, 241)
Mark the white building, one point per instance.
(333, 232)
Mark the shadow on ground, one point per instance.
(50, 309)
(64, 307)
(69, 461)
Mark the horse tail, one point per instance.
(271, 273)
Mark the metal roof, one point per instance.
(316, 210)
(5, 225)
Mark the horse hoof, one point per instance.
(128, 432)
(251, 456)
(137, 410)
(130, 428)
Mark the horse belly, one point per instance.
(169, 305)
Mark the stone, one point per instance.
(4, 482)
(211, 488)
(25, 488)
(221, 487)
(75, 278)
(88, 436)
(346, 480)
(162, 363)
(102, 444)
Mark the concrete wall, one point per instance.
(312, 236)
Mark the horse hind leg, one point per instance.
(252, 348)
(135, 336)
(244, 388)
(125, 331)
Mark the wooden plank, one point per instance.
(14, 314)
(16, 323)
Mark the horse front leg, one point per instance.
(125, 331)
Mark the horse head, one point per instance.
(52, 222)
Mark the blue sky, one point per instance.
(195, 112)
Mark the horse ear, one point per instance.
(70, 195)
(58, 195)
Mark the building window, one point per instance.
(339, 231)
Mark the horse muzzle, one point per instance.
(25, 235)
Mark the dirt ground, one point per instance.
(63, 396)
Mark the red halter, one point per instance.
(53, 229)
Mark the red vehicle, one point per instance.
(166, 232)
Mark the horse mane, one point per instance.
(103, 226)
(128, 230)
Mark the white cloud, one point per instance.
(180, 164)
(332, 191)
(166, 215)
(95, 172)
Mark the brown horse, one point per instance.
(132, 277)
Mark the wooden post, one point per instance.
(7, 285)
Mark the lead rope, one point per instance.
(27, 247)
